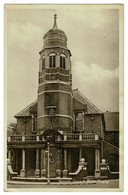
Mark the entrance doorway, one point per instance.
(89, 155)
(74, 159)
(30, 162)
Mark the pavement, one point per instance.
(79, 184)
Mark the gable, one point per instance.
(27, 111)
(91, 108)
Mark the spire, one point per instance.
(55, 24)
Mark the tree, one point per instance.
(11, 130)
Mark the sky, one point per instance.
(93, 39)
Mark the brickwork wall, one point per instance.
(54, 165)
(111, 155)
(89, 155)
(61, 123)
(63, 103)
(30, 162)
(95, 125)
(55, 86)
(21, 126)
(112, 137)
(69, 160)
(74, 159)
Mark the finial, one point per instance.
(55, 24)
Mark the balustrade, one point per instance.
(66, 137)
(88, 136)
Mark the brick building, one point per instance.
(62, 125)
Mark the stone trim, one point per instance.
(55, 91)
(50, 82)
(55, 73)
(61, 115)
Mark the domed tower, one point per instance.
(55, 97)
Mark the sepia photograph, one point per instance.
(63, 97)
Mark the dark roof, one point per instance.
(77, 106)
(91, 108)
(27, 111)
(111, 121)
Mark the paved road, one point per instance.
(100, 184)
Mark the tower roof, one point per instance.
(55, 37)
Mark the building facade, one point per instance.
(62, 129)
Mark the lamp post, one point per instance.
(48, 166)
(48, 175)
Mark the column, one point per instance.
(16, 159)
(65, 158)
(37, 171)
(97, 163)
(69, 160)
(43, 169)
(65, 171)
(9, 154)
(80, 154)
(102, 150)
(22, 172)
(58, 171)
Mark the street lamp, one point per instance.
(48, 166)
(48, 175)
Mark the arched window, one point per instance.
(62, 61)
(43, 62)
(79, 121)
(52, 60)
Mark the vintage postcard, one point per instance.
(64, 97)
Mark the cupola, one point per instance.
(55, 37)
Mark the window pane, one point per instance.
(79, 121)
(54, 61)
(60, 61)
(64, 62)
(43, 63)
(50, 61)
(51, 111)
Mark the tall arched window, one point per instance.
(62, 61)
(52, 60)
(43, 62)
(79, 121)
